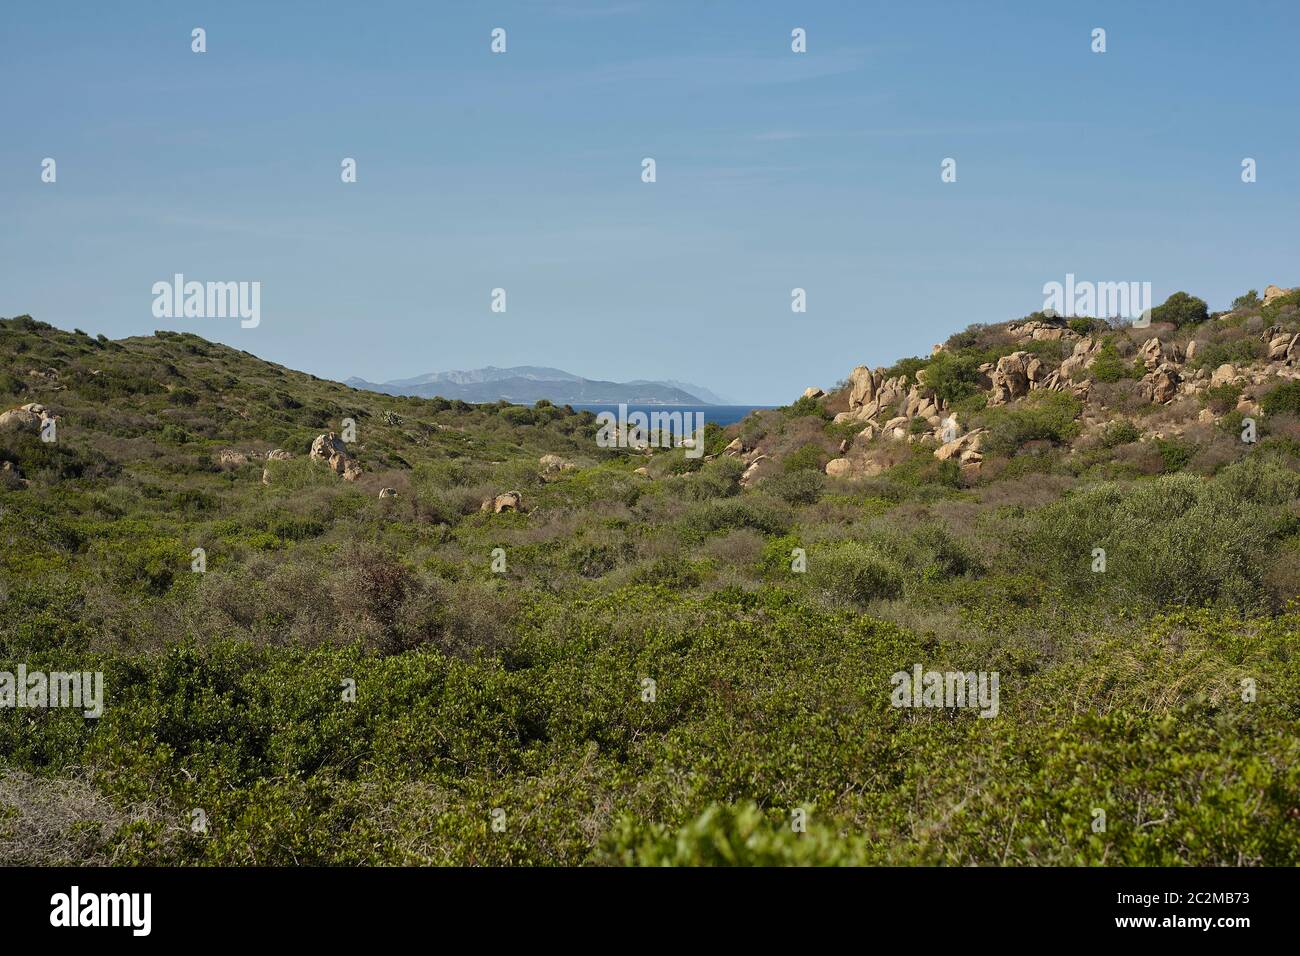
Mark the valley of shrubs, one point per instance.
(357, 675)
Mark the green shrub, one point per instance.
(1041, 415)
(1181, 309)
(1222, 398)
(1260, 482)
(1119, 432)
(801, 487)
(1280, 305)
(674, 572)
(852, 573)
(907, 368)
(1177, 539)
(806, 407)
(952, 377)
(1283, 400)
(1174, 454)
(759, 512)
(809, 457)
(728, 835)
(591, 560)
(1109, 366)
(1233, 351)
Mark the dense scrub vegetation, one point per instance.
(650, 678)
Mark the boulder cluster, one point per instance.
(30, 417)
(330, 449)
(553, 466)
(750, 457)
(902, 409)
(508, 501)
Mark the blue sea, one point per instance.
(717, 414)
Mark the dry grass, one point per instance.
(62, 821)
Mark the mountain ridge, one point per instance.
(528, 384)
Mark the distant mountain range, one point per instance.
(526, 384)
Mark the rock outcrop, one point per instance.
(1161, 385)
(966, 449)
(909, 409)
(1274, 292)
(507, 501)
(330, 449)
(1011, 377)
(552, 466)
(30, 417)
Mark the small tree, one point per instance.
(1247, 301)
(1181, 309)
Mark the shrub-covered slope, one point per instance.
(655, 658)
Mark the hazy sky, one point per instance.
(523, 171)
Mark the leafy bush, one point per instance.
(758, 512)
(1282, 400)
(1174, 454)
(1041, 415)
(1175, 540)
(1181, 309)
(1109, 366)
(801, 487)
(806, 406)
(1281, 305)
(852, 573)
(1238, 351)
(1222, 398)
(728, 835)
(1119, 432)
(907, 368)
(953, 377)
(809, 457)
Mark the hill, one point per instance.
(527, 384)
(351, 627)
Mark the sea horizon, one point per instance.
(713, 414)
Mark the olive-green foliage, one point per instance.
(1247, 301)
(953, 376)
(907, 368)
(1175, 454)
(289, 772)
(1281, 305)
(806, 406)
(729, 835)
(809, 457)
(1230, 351)
(1119, 432)
(1109, 366)
(1282, 400)
(1175, 540)
(854, 573)
(1181, 309)
(758, 512)
(1222, 398)
(1042, 415)
(800, 487)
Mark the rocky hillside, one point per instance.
(1047, 385)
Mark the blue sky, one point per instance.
(522, 171)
